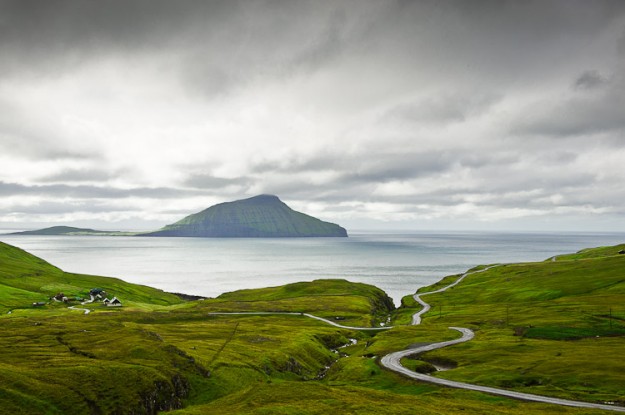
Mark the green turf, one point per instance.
(554, 328)
(159, 352)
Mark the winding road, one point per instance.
(392, 361)
(281, 313)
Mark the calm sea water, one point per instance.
(397, 263)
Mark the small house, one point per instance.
(38, 304)
(114, 303)
(622, 251)
(96, 293)
(60, 297)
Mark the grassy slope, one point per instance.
(25, 279)
(541, 327)
(55, 360)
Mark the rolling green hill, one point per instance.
(261, 216)
(536, 330)
(26, 279)
(555, 328)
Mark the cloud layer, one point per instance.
(400, 114)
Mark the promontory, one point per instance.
(263, 216)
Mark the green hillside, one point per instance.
(257, 217)
(26, 279)
(158, 353)
(555, 328)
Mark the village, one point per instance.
(95, 295)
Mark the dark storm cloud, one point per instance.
(69, 31)
(490, 43)
(410, 103)
(213, 45)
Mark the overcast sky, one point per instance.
(372, 114)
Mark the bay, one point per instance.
(399, 263)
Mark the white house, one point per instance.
(113, 303)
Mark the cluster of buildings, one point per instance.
(95, 294)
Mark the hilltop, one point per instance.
(263, 216)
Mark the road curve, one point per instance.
(392, 361)
(86, 310)
(416, 318)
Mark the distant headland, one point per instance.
(263, 216)
(72, 231)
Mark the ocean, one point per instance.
(399, 263)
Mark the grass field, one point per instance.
(555, 328)
(537, 326)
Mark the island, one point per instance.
(71, 231)
(263, 216)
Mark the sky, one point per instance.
(402, 115)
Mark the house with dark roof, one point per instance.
(113, 303)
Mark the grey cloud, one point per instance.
(390, 167)
(85, 191)
(590, 80)
(327, 46)
(321, 161)
(80, 175)
(67, 32)
(56, 208)
(207, 181)
(575, 116)
(444, 108)
(428, 64)
(382, 166)
(213, 46)
(496, 180)
(31, 137)
(620, 45)
(460, 41)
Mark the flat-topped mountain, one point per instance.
(263, 216)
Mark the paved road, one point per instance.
(325, 320)
(392, 362)
(86, 310)
(416, 318)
